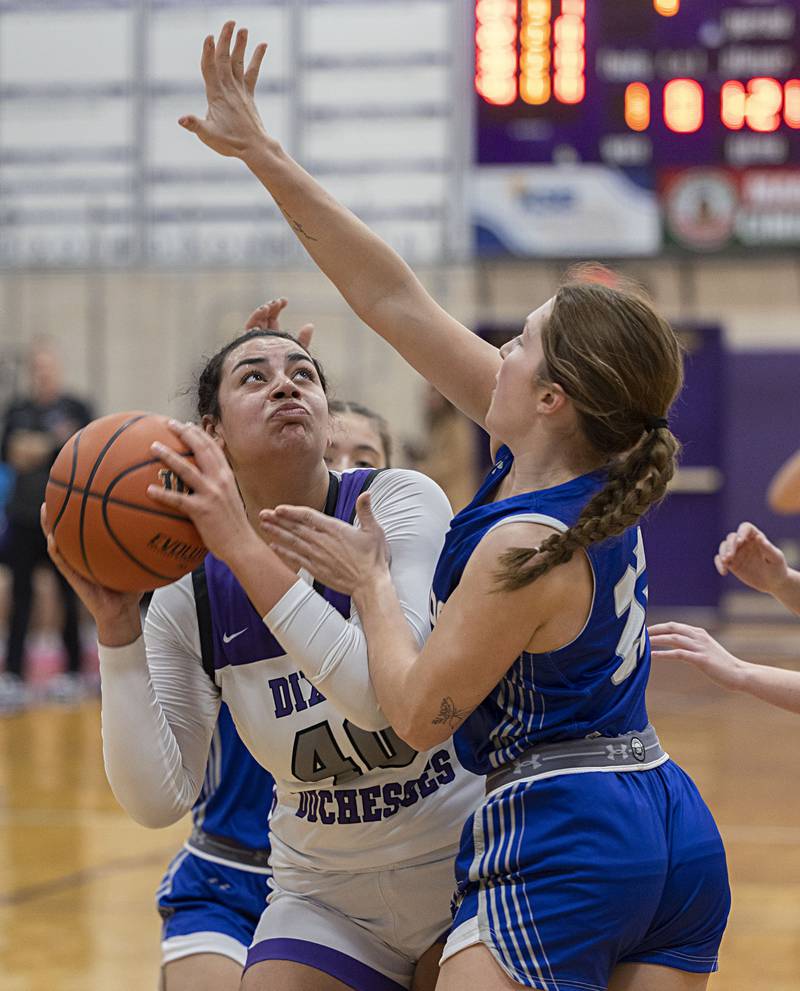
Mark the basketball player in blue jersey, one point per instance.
(593, 862)
(364, 828)
(214, 891)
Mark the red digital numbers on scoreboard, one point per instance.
(522, 49)
(496, 50)
(761, 104)
(683, 105)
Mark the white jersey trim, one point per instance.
(178, 947)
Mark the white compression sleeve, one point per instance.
(159, 709)
(332, 651)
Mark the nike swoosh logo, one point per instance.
(233, 636)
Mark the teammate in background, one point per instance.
(539, 658)
(364, 829)
(757, 562)
(35, 428)
(360, 437)
(783, 494)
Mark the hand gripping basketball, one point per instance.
(105, 525)
(208, 493)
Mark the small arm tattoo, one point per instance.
(448, 713)
(296, 226)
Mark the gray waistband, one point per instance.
(633, 751)
(227, 849)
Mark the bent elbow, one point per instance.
(153, 818)
(421, 734)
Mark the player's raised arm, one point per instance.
(378, 285)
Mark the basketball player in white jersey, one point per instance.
(364, 830)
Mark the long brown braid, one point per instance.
(620, 364)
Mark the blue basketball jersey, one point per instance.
(237, 793)
(594, 685)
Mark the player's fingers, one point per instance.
(365, 515)
(295, 535)
(194, 124)
(180, 502)
(747, 531)
(672, 642)
(237, 56)
(305, 334)
(178, 465)
(208, 67)
(43, 519)
(670, 655)
(253, 69)
(666, 629)
(274, 312)
(207, 453)
(302, 516)
(720, 565)
(304, 545)
(222, 51)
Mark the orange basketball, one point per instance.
(106, 526)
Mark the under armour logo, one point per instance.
(617, 751)
(529, 763)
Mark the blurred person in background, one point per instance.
(359, 437)
(447, 452)
(756, 561)
(783, 494)
(35, 427)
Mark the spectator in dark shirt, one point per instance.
(35, 428)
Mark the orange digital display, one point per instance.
(667, 8)
(683, 106)
(637, 106)
(639, 82)
(791, 103)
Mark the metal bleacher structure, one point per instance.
(95, 173)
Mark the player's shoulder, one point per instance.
(510, 533)
(405, 483)
(489, 559)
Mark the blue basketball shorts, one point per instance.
(209, 907)
(565, 877)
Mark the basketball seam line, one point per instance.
(98, 461)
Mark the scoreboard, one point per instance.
(684, 112)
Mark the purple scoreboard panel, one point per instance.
(621, 127)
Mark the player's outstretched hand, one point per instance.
(232, 126)
(115, 613)
(266, 317)
(340, 556)
(754, 560)
(679, 642)
(211, 500)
